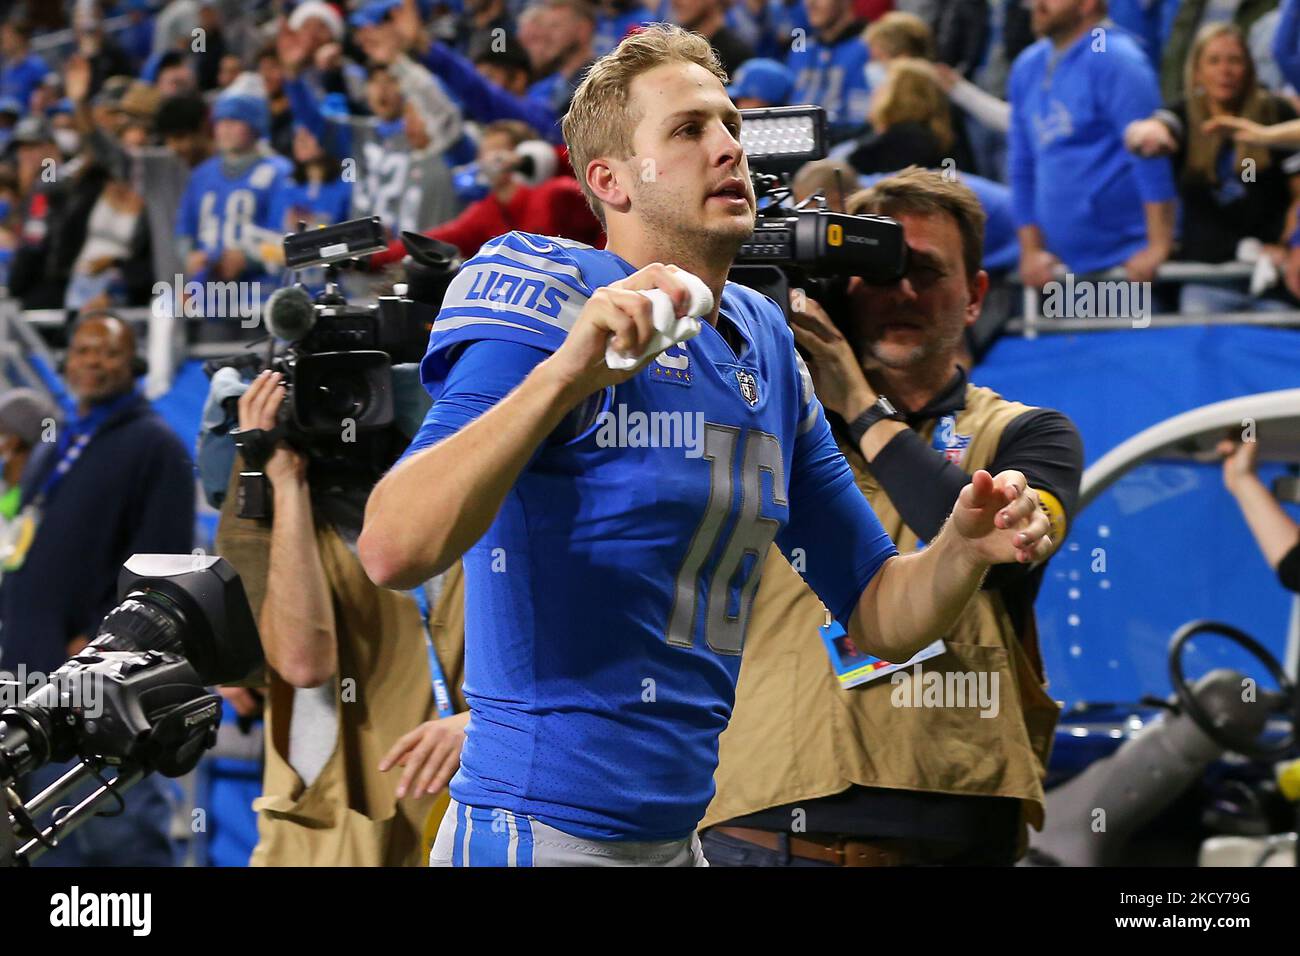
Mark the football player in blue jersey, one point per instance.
(612, 523)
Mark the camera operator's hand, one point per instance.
(243, 700)
(836, 373)
(430, 755)
(259, 408)
(616, 310)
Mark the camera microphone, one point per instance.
(290, 314)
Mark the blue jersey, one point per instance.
(311, 204)
(833, 75)
(606, 606)
(218, 211)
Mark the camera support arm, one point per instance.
(18, 821)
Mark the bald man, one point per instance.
(112, 481)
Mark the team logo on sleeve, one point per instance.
(748, 386)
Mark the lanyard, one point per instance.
(440, 695)
(76, 436)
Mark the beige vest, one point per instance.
(796, 735)
(350, 815)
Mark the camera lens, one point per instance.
(344, 393)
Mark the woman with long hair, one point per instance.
(1239, 199)
(911, 122)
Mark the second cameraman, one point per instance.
(349, 687)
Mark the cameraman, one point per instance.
(813, 774)
(349, 688)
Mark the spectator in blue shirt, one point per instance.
(21, 71)
(1081, 199)
(1286, 43)
(829, 66)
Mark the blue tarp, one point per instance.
(1173, 543)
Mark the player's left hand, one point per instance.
(1000, 520)
(430, 755)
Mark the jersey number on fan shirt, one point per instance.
(227, 229)
(752, 536)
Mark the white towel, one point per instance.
(669, 329)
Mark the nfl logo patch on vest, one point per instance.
(748, 386)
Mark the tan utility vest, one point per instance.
(350, 814)
(796, 735)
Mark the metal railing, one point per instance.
(1033, 322)
(25, 358)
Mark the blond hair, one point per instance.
(911, 95)
(898, 33)
(599, 122)
(1202, 157)
(926, 192)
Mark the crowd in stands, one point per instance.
(145, 139)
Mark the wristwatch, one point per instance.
(882, 409)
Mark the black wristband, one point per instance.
(882, 409)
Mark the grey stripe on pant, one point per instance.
(552, 847)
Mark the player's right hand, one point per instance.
(619, 312)
(429, 755)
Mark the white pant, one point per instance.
(473, 836)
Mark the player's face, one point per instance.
(923, 315)
(686, 150)
(232, 136)
(99, 360)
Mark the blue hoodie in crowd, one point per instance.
(1070, 173)
(833, 74)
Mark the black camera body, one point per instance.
(815, 249)
(136, 697)
(825, 244)
(337, 359)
